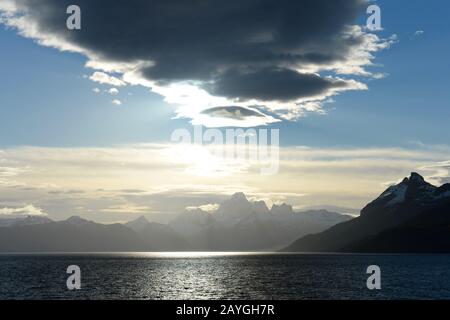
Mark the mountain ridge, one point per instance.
(237, 225)
(401, 206)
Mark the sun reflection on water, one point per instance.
(195, 254)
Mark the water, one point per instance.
(224, 276)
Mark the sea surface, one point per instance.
(223, 276)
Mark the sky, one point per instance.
(86, 116)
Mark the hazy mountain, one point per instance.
(317, 220)
(157, 236)
(138, 225)
(6, 222)
(260, 207)
(282, 212)
(234, 209)
(237, 225)
(190, 222)
(343, 210)
(77, 222)
(412, 216)
(25, 220)
(72, 235)
(33, 220)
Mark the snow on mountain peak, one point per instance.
(412, 190)
(398, 193)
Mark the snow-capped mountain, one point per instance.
(240, 224)
(408, 197)
(411, 216)
(234, 209)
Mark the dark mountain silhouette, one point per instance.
(237, 225)
(429, 232)
(72, 235)
(412, 216)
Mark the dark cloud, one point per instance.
(209, 40)
(203, 53)
(232, 112)
(272, 84)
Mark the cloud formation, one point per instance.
(118, 183)
(104, 78)
(116, 102)
(438, 173)
(113, 91)
(233, 116)
(202, 55)
(272, 84)
(27, 210)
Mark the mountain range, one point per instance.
(237, 225)
(410, 217)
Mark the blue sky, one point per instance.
(47, 102)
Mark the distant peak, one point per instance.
(138, 221)
(239, 196)
(283, 208)
(260, 206)
(76, 220)
(141, 219)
